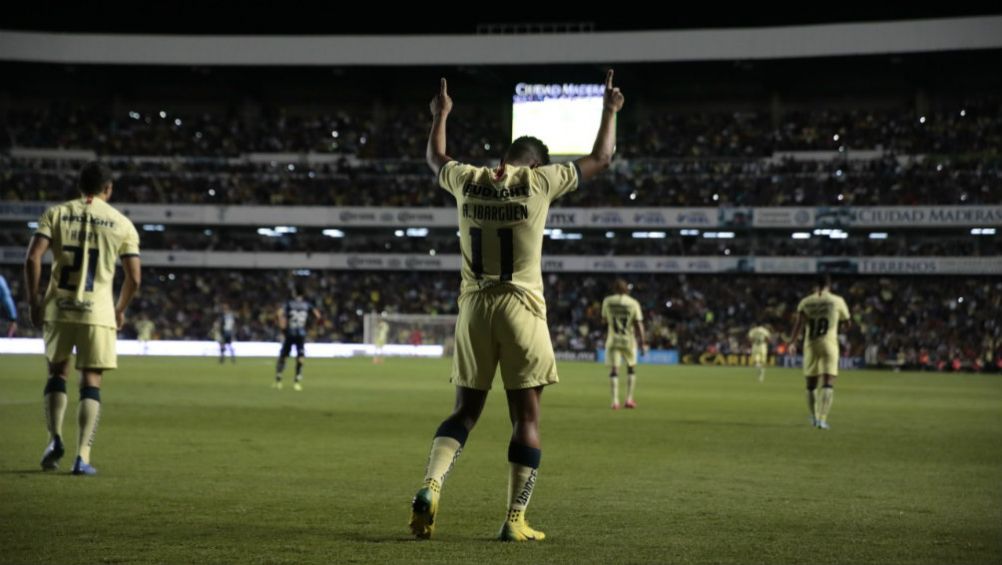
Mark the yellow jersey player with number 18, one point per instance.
(819, 316)
(502, 315)
(87, 237)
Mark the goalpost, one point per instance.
(413, 329)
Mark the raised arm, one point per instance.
(605, 142)
(435, 153)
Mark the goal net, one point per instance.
(412, 329)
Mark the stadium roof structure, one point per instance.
(315, 18)
(743, 43)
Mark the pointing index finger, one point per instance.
(443, 86)
(608, 79)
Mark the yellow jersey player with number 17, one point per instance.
(625, 319)
(87, 237)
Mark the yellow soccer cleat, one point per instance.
(423, 510)
(297, 387)
(277, 385)
(519, 530)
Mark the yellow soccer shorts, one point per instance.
(820, 358)
(95, 345)
(495, 327)
(616, 354)
(759, 354)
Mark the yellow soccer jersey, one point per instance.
(86, 241)
(620, 311)
(823, 311)
(759, 335)
(144, 330)
(501, 221)
(382, 332)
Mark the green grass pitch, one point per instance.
(202, 463)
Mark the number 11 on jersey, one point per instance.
(506, 241)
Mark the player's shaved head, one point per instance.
(822, 282)
(621, 287)
(527, 151)
(94, 178)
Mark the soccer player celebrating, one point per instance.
(502, 313)
(819, 315)
(292, 319)
(226, 326)
(86, 236)
(760, 337)
(623, 315)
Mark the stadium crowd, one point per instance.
(935, 323)
(392, 131)
(640, 182)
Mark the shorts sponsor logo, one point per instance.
(75, 305)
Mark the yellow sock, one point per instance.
(523, 465)
(521, 482)
(55, 406)
(614, 386)
(55, 410)
(444, 452)
(825, 402)
(631, 383)
(88, 414)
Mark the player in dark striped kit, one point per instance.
(293, 318)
